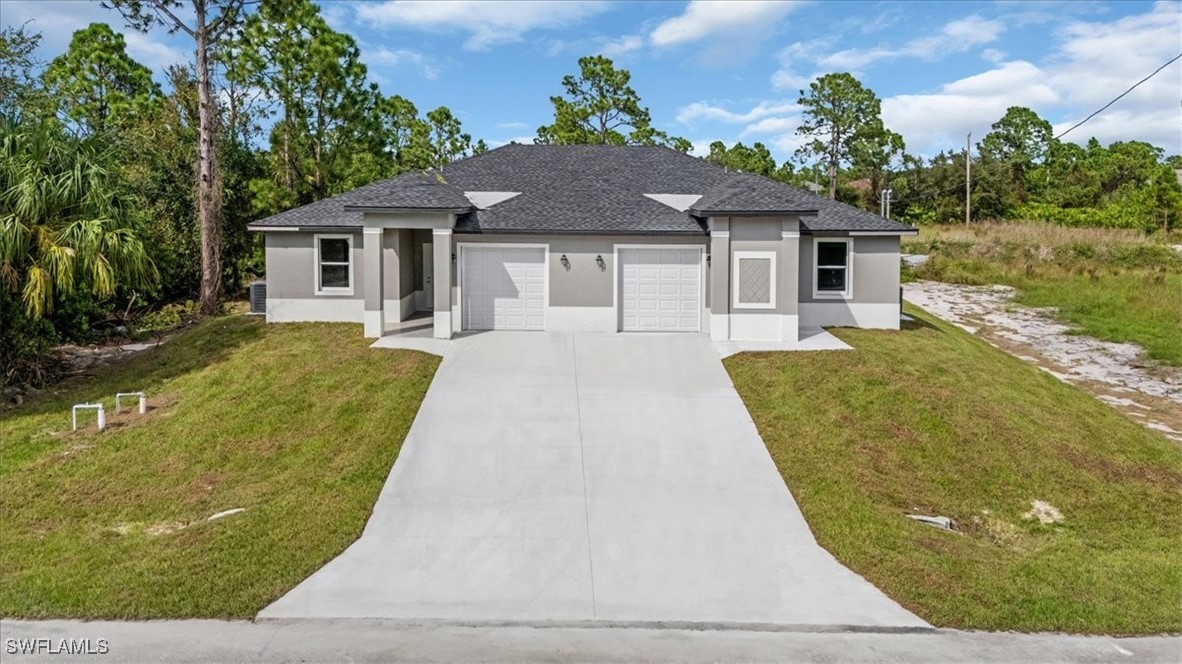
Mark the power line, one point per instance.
(1065, 132)
(1118, 97)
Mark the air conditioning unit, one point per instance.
(258, 297)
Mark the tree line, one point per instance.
(1020, 170)
(125, 203)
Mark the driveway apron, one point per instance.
(582, 477)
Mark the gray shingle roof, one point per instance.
(585, 189)
(746, 193)
(422, 190)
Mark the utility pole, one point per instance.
(968, 179)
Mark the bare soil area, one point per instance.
(1116, 373)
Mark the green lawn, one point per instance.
(299, 424)
(931, 420)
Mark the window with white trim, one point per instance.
(754, 280)
(831, 263)
(334, 264)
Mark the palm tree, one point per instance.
(63, 221)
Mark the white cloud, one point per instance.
(1110, 57)
(487, 23)
(930, 122)
(1090, 63)
(775, 121)
(777, 126)
(58, 20)
(696, 111)
(956, 36)
(525, 140)
(993, 55)
(792, 58)
(335, 15)
(399, 57)
(512, 125)
(620, 45)
(701, 146)
(612, 47)
(153, 54)
(710, 18)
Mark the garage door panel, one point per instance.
(503, 288)
(660, 290)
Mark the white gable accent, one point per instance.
(679, 202)
(486, 199)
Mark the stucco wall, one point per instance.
(291, 265)
(875, 269)
(874, 300)
(584, 284)
(764, 234)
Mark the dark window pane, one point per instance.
(333, 250)
(830, 279)
(831, 253)
(334, 276)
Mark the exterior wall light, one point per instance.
(599, 261)
(707, 260)
(565, 261)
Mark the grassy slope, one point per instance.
(1112, 285)
(934, 421)
(299, 424)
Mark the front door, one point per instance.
(429, 275)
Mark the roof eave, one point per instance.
(569, 231)
(409, 210)
(858, 232)
(752, 213)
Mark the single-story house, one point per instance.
(584, 238)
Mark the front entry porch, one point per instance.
(408, 276)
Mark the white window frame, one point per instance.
(849, 269)
(333, 290)
(736, 257)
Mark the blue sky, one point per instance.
(731, 70)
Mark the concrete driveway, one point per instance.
(570, 478)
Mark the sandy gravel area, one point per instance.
(1116, 373)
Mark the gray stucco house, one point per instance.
(584, 238)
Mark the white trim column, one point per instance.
(789, 277)
(720, 278)
(375, 312)
(442, 247)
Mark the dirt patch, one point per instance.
(1116, 373)
(1112, 471)
(82, 359)
(205, 485)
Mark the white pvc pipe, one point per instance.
(102, 414)
(143, 400)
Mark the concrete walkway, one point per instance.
(204, 641)
(557, 477)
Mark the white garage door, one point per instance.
(503, 288)
(660, 290)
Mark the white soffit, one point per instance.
(679, 202)
(486, 199)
